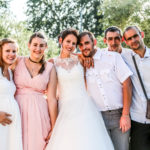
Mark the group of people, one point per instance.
(76, 101)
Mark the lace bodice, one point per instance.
(70, 78)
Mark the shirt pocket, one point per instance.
(105, 75)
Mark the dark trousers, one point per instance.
(140, 136)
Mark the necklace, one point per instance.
(34, 61)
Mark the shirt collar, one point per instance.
(97, 54)
(147, 52)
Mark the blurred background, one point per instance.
(20, 18)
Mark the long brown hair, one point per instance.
(39, 35)
(2, 42)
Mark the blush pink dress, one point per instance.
(33, 105)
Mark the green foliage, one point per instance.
(124, 13)
(54, 16)
(119, 13)
(9, 28)
(4, 11)
(53, 49)
(144, 22)
(100, 42)
(4, 4)
(4, 32)
(22, 35)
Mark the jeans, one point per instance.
(112, 122)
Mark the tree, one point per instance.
(22, 35)
(124, 13)
(4, 11)
(10, 28)
(144, 22)
(18, 31)
(4, 4)
(54, 16)
(119, 13)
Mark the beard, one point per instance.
(139, 45)
(114, 47)
(86, 53)
(89, 53)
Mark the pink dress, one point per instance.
(33, 105)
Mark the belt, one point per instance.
(112, 111)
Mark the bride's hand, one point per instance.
(87, 62)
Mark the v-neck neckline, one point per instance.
(10, 76)
(32, 77)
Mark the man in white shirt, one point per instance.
(113, 39)
(140, 125)
(108, 83)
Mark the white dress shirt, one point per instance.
(104, 81)
(139, 103)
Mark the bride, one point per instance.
(79, 125)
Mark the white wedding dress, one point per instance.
(79, 125)
(10, 135)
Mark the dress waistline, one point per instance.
(29, 91)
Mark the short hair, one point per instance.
(90, 34)
(131, 27)
(112, 29)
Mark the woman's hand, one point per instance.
(4, 118)
(48, 137)
(87, 62)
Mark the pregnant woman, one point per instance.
(10, 122)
